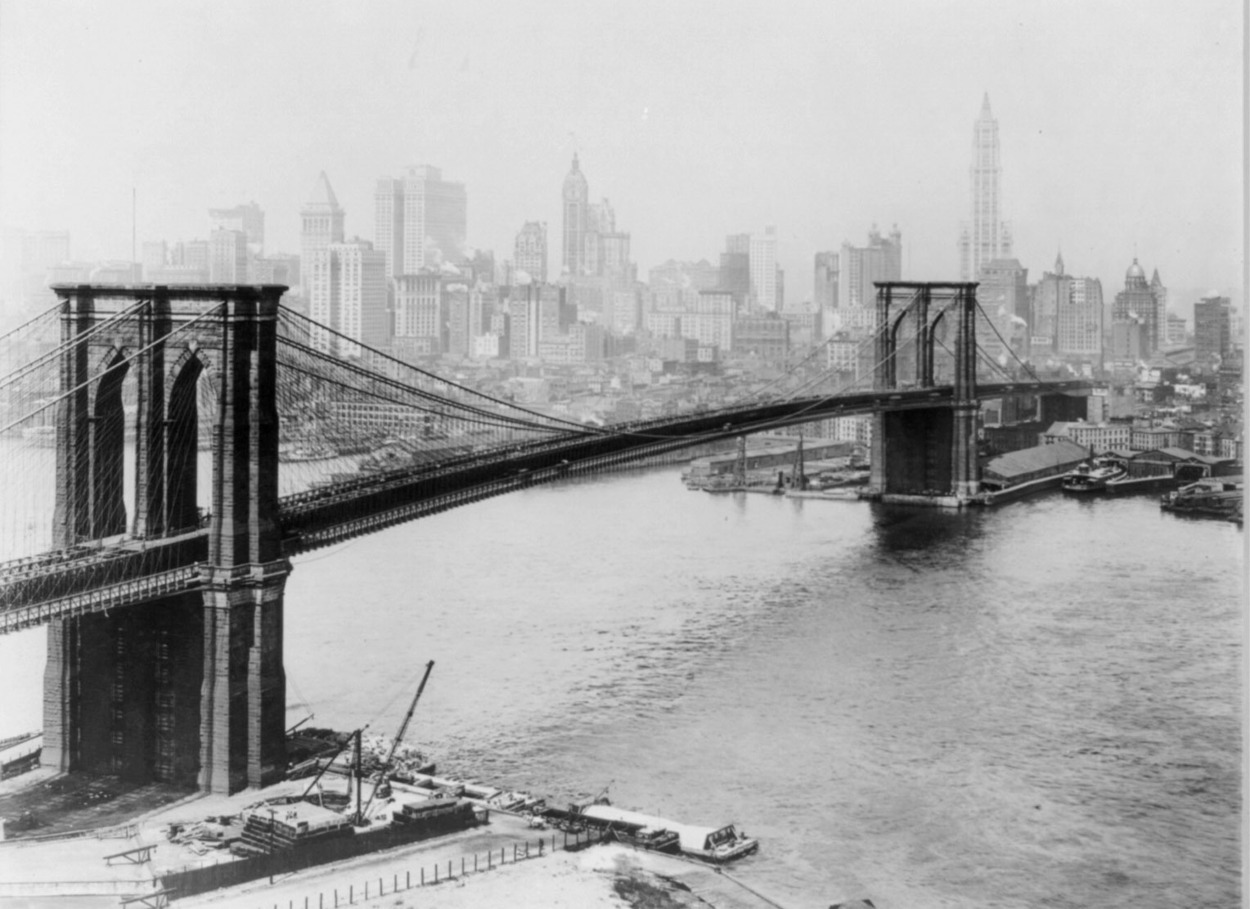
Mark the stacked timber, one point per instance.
(267, 830)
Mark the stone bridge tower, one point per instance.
(931, 448)
(187, 688)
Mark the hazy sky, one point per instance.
(1121, 122)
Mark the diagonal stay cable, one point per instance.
(124, 360)
(44, 359)
(483, 420)
(51, 310)
(1007, 346)
(444, 403)
(437, 378)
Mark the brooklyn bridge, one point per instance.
(164, 614)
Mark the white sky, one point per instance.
(1121, 123)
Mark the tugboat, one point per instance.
(1092, 476)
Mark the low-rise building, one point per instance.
(1098, 437)
(767, 336)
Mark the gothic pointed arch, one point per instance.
(107, 446)
(182, 438)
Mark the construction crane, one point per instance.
(399, 737)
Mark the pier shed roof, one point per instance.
(1027, 461)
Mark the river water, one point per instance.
(1035, 705)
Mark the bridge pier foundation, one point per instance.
(60, 685)
(122, 691)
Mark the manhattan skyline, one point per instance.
(1120, 125)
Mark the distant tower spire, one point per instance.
(1059, 263)
(986, 237)
(576, 196)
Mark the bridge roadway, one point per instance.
(123, 571)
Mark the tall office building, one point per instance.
(530, 255)
(575, 195)
(321, 221)
(1212, 330)
(763, 267)
(1002, 298)
(1140, 302)
(420, 220)
(862, 266)
(825, 283)
(986, 237)
(1160, 294)
(735, 267)
(347, 292)
(1079, 319)
(227, 263)
(248, 218)
(419, 313)
(1174, 336)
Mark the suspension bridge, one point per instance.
(160, 577)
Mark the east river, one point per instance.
(1035, 705)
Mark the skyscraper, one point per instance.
(862, 266)
(248, 218)
(530, 255)
(347, 292)
(1002, 298)
(227, 262)
(322, 224)
(575, 195)
(735, 267)
(420, 220)
(987, 237)
(1140, 303)
(1212, 334)
(825, 283)
(1160, 293)
(763, 265)
(1079, 320)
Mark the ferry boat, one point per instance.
(1092, 476)
(712, 844)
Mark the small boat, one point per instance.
(712, 844)
(1212, 496)
(1092, 476)
(308, 453)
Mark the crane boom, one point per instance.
(399, 737)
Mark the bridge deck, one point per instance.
(123, 571)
